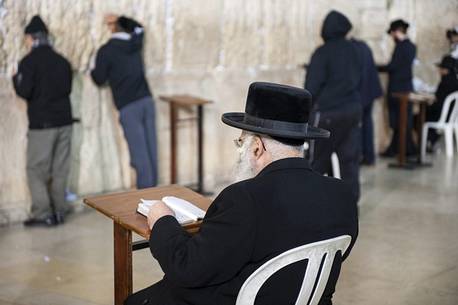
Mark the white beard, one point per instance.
(244, 168)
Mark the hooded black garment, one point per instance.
(120, 63)
(44, 80)
(334, 74)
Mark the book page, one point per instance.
(185, 212)
(184, 207)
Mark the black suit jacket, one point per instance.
(285, 206)
(400, 68)
(44, 80)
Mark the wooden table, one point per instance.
(404, 99)
(121, 208)
(186, 102)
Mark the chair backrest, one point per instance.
(314, 253)
(449, 108)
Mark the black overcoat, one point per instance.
(285, 206)
(400, 68)
(44, 80)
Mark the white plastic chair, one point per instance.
(314, 253)
(449, 127)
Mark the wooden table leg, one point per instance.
(403, 103)
(200, 169)
(122, 263)
(421, 121)
(173, 143)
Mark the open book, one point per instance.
(185, 212)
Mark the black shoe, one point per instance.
(59, 218)
(47, 222)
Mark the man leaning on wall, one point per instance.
(44, 80)
(119, 62)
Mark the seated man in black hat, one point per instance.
(281, 204)
(448, 70)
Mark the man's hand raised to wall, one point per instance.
(110, 19)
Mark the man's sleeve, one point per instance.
(316, 74)
(135, 29)
(23, 80)
(100, 72)
(70, 77)
(218, 252)
(398, 60)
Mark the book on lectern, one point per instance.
(185, 211)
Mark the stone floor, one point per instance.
(407, 251)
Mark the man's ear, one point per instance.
(258, 148)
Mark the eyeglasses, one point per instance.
(239, 142)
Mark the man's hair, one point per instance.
(277, 149)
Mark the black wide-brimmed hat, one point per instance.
(397, 24)
(279, 111)
(36, 25)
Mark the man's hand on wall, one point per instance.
(110, 19)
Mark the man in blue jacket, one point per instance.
(400, 79)
(370, 89)
(119, 62)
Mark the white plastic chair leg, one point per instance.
(456, 138)
(335, 166)
(424, 140)
(448, 133)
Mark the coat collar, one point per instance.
(287, 163)
(121, 36)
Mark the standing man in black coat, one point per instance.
(44, 80)
(281, 204)
(119, 62)
(333, 78)
(400, 79)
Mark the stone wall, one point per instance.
(209, 48)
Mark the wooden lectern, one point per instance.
(186, 102)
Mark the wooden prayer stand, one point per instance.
(121, 208)
(186, 102)
(404, 98)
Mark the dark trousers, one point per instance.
(344, 141)
(156, 294)
(48, 166)
(393, 114)
(139, 124)
(367, 134)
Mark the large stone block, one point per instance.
(196, 33)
